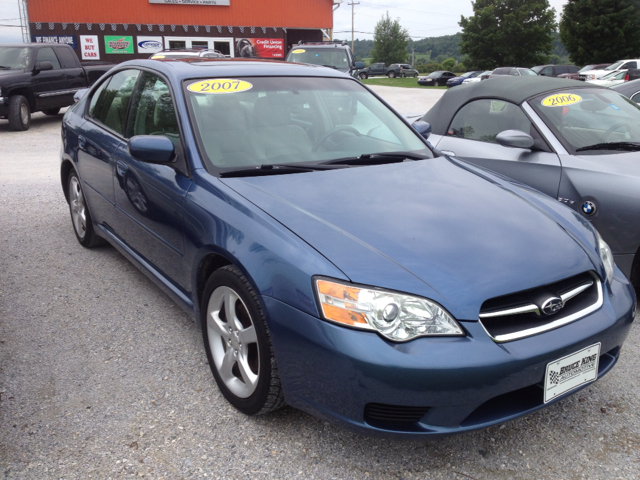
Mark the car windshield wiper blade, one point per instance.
(3, 67)
(377, 158)
(274, 169)
(624, 146)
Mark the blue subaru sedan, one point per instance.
(336, 262)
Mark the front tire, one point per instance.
(19, 113)
(238, 345)
(80, 216)
(363, 76)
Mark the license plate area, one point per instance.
(570, 372)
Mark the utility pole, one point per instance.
(353, 13)
(24, 21)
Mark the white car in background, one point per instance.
(477, 78)
(619, 65)
(611, 79)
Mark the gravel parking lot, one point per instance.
(102, 376)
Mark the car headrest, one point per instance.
(270, 111)
(164, 115)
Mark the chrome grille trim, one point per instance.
(556, 324)
(530, 308)
(575, 292)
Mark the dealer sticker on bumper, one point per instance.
(571, 372)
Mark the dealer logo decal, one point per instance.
(120, 44)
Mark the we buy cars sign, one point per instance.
(89, 47)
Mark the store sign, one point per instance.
(192, 2)
(149, 44)
(116, 44)
(62, 39)
(89, 47)
(260, 48)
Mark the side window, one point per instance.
(636, 97)
(547, 71)
(513, 71)
(152, 111)
(484, 119)
(629, 65)
(67, 58)
(562, 69)
(110, 108)
(46, 55)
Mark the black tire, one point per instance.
(266, 394)
(51, 111)
(80, 216)
(19, 113)
(363, 76)
(391, 74)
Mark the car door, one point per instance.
(472, 136)
(99, 137)
(74, 75)
(48, 85)
(150, 197)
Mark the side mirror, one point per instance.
(422, 127)
(42, 66)
(151, 148)
(358, 64)
(79, 94)
(515, 138)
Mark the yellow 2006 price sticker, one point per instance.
(219, 86)
(299, 50)
(156, 57)
(561, 100)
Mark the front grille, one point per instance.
(534, 311)
(582, 78)
(375, 413)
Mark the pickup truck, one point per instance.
(595, 74)
(392, 71)
(41, 77)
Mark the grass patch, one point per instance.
(397, 82)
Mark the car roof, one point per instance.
(196, 67)
(627, 88)
(514, 89)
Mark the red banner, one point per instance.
(260, 48)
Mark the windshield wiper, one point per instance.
(3, 67)
(624, 146)
(377, 158)
(275, 169)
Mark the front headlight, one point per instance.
(396, 316)
(606, 256)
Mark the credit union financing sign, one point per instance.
(193, 2)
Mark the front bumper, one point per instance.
(458, 383)
(4, 106)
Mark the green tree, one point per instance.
(389, 42)
(600, 31)
(449, 64)
(508, 33)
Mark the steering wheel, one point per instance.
(613, 129)
(332, 132)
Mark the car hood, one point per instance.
(434, 228)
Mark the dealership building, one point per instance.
(119, 30)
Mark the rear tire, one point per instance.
(51, 111)
(19, 113)
(238, 344)
(80, 216)
(363, 76)
(391, 74)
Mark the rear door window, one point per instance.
(110, 104)
(67, 58)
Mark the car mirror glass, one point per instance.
(358, 64)
(422, 127)
(42, 66)
(515, 139)
(151, 148)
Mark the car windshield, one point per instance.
(262, 121)
(614, 75)
(15, 58)
(584, 117)
(586, 68)
(526, 71)
(615, 65)
(538, 68)
(329, 57)
(434, 74)
(467, 74)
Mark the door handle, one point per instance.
(122, 168)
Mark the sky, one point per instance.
(422, 18)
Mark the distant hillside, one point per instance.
(444, 47)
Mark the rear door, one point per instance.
(472, 136)
(74, 74)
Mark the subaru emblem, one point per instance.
(552, 305)
(589, 208)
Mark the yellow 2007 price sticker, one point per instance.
(219, 86)
(561, 100)
(299, 50)
(156, 57)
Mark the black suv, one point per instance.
(327, 54)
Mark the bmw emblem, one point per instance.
(588, 208)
